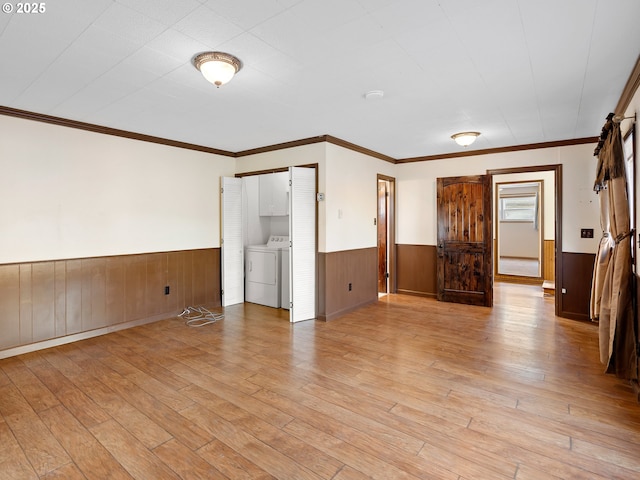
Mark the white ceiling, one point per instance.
(519, 71)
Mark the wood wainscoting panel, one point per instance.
(549, 256)
(26, 307)
(577, 271)
(156, 300)
(48, 300)
(94, 293)
(60, 298)
(135, 279)
(43, 300)
(336, 270)
(73, 296)
(115, 289)
(9, 305)
(417, 274)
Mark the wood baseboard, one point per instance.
(56, 342)
(518, 279)
(417, 294)
(334, 315)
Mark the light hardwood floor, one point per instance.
(525, 267)
(406, 388)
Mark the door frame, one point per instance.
(314, 166)
(557, 169)
(392, 281)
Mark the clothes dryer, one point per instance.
(263, 275)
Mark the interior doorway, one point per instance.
(519, 234)
(269, 238)
(385, 221)
(552, 241)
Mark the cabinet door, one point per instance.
(265, 194)
(274, 194)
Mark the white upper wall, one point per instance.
(69, 193)
(416, 187)
(351, 199)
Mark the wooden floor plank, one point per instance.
(13, 462)
(186, 463)
(139, 461)
(257, 452)
(67, 472)
(75, 400)
(139, 425)
(407, 387)
(91, 458)
(167, 418)
(37, 394)
(40, 447)
(231, 463)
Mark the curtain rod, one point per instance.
(620, 118)
(607, 128)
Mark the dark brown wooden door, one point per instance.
(465, 272)
(382, 236)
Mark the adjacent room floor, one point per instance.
(525, 267)
(405, 388)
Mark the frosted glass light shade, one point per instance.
(217, 67)
(465, 139)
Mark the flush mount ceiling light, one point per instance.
(217, 67)
(465, 139)
(374, 95)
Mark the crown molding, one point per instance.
(39, 117)
(629, 90)
(358, 148)
(90, 127)
(281, 146)
(487, 151)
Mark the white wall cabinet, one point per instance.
(274, 194)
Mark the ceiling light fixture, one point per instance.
(374, 95)
(465, 139)
(217, 67)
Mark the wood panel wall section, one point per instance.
(577, 273)
(336, 270)
(41, 301)
(417, 269)
(549, 259)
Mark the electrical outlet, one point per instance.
(586, 233)
(167, 290)
(349, 287)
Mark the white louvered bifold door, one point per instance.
(232, 245)
(302, 231)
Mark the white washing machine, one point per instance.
(264, 273)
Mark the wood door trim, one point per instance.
(392, 284)
(382, 236)
(557, 169)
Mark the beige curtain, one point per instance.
(603, 256)
(613, 306)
